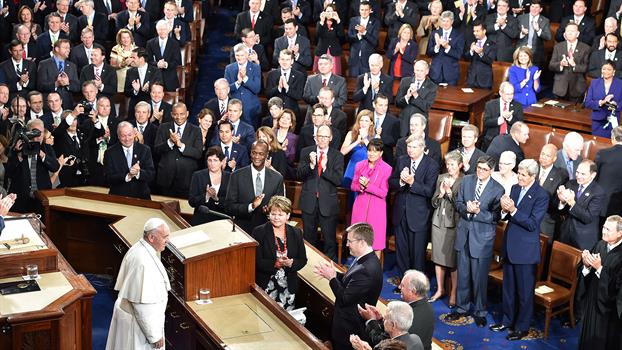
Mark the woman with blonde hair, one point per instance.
(121, 56)
(524, 76)
(355, 143)
(428, 24)
(402, 52)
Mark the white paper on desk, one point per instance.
(539, 105)
(190, 238)
(468, 90)
(544, 289)
(16, 228)
(551, 102)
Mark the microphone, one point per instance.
(207, 211)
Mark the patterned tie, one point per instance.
(179, 131)
(580, 191)
(570, 51)
(222, 107)
(97, 73)
(33, 174)
(61, 66)
(413, 168)
(503, 128)
(17, 69)
(478, 190)
(258, 185)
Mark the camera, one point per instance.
(29, 147)
(88, 107)
(611, 106)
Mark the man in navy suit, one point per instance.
(519, 134)
(180, 30)
(500, 114)
(259, 21)
(387, 126)
(243, 133)
(218, 104)
(414, 179)
(297, 43)
(101, 73)
(139, 79)
(569, 157)
(415, 95)
(164, 53)
(128, 165)
(46, 40)
(524, 209)
(20, 74)
(481, 52)
(371, 84)
(98, 22)
(136, 20)
(446, 46)
(286, 82)
(244, 79)
(363, 37)
(587, 28)
(478, 205)
(236, 155)
(59, 74)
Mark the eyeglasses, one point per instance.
(508, 164)
(317, 115)
(482, 168)
(350, 241)
(322, 136)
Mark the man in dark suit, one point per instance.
(414, 288)
(609, 53)
(97, 22)
(180, 29)
(325, 78)
(98, 145)
(29, 45)
(145, 130)
(20, 74)
(52, 118)
(58, 74)
(301, 18)
(259, 21)
(481, 52)
(218, 104)
(417, 125)
(524, 209)
(550, 178)
(569, 157)
(334, 116)
(46, 40)
(8, 16)
(179, 146)
(236, 155)
(519, 134)
(502, 28)
(160, 109)
(298, 44)
(164, 53)
(286, 82)
(414, 179)
(28, 162)
(398, 317)
(243, 133)
(110, 8)
(500, 114)
(466, 16)
(470, 153)
(270, 7)
(534, 31)
(139, 78)
(251, 187)
(570, 61)
(244, 79)
(81, 54)
(445, 46)
(397, 14)
(608, 175)
(415, 95)
(363, 37)
(358, 286)
(321, 170)
(256, 52)
(478, 205)
(101, 73)
(319, 117)
(387, 126)
(69, 22)
(587, 28)
(371, 84)
(581, 201)
(136, 20)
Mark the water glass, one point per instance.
(204, 296)
(32, 271)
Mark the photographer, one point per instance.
(16, 118)
(29, 164)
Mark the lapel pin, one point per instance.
(587, 194)
(529, 196)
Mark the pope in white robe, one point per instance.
(143, 285)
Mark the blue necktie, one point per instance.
(580, 191)
(61, 66)
(570, 169)
(521, 195)
(227, 152)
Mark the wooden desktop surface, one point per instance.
(570, 118)
(53, 285)
(454, 99)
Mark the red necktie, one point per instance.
(253, 22)
(324, 82)
(319, 165)
(503, 129)
(329, 24)
(24, 54)
(570, 52)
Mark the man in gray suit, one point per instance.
(296, 43)
(569, 157)
(397, 320)
(534, 31)
(570, 62)
(478, 203)
(325, 77)
(550, 178)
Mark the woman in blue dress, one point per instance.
(604, 92)
(355, 143)
(524, 76)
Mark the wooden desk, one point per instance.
(452, 98)
(570, 118)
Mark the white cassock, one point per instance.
(143, 285)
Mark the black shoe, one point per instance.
(454, 316)
(518, 335)
(480, 321)
(498, 327)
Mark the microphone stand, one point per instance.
(207, 210)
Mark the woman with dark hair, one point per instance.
(524, 76)
(208, 187)
(371, 183)
(276, 156)
(280, 254)
(330, 36)
(604, 96)
(355, 143)
(206, 124)
(26, 16)
(284, 132)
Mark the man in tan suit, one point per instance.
(570, 61)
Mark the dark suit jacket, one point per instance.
(608, 177)
(78, 55)
(116, 169)
(503, 37)
(264, 64)
(244, 131)
(153, 74)
(142, 33)
(479, 74)
(329, 39)
(365, 99)
(335, 82)
(432, 149)
(394, 22)
(389, 136)
(265, 255)
(32, 51)
(581, 227)
(338, 121)
(503, 143)
(108, 77)
(149, 136)
(360, 285)
(561, 163)
(175, 168)
(478, 229)
(570, 81)
(44, 44)
(587, 29)
(241, 193)
(196, 197)
(361, 49)
(165, 107)
(412, 202)
(421, 104)
(172, 56)
(100, 26)
(492, 111)
(473, 160)
(597, 58)
(247, 92)
(296, 81)
(521, 241)
(422, 325)
(304, 60)
(538, 39)
(263, 26)
(213, 105)
(445, 67)
(185, 35)
(27, 66)
(46, 77)
(306, 138)
(325, 185)
(271, 7)
(237, 152)
(407, 59)
(555, 178)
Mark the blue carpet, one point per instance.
(103, 303)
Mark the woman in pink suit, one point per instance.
(371, 183)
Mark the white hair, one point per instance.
(152, 225)
(401, 314)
